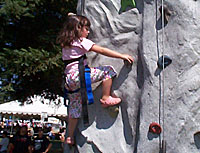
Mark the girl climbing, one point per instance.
(74, 43)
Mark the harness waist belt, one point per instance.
(74, 60)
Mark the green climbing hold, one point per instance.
(126, 3)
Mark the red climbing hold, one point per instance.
(155, 128)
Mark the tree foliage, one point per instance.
(30, 60)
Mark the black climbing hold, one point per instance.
(167, 61)
(197, 139)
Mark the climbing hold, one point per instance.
(155, 128)
(167, 61)
(167, 13)
(126, 3)
(113, 111)
(197, 139)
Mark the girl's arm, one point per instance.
(111, 53)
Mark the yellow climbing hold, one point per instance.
(126, 3)
(113, 111)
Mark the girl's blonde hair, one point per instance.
(72, 30)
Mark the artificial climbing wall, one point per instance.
(169, 97)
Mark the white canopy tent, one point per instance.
(39, 107)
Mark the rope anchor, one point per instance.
(155, 128)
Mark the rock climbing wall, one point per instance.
(169, 97)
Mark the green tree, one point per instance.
(30, 60)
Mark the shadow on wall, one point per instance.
(123, 75)
(81, 140)
(101, 115)
(141, 68)
(140, 71)
(128, 133)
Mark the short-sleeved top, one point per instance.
(79, 48)
(21, 143)
(40, 144)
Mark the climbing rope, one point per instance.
(163, 80)
(162, 63)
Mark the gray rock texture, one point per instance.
(169, 97)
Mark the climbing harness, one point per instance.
(88, 85)
(85, 86)
(155, 128)
(83, 91)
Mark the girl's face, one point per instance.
(85, 31)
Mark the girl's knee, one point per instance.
(111, 71)
(109, 68)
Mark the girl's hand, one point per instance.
(128, 58)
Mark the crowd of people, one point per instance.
(22, 143)
(25, 140)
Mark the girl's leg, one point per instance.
(72, 123)
(75, 106)
(74, 113)
(106, 87)
(107, 99)
(105, 74)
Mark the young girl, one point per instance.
(74, 43)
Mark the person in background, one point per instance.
(4, 143)
(31, 133)
(16, 128)
(62, 137)
(21, 142)
(52, 134)
(2, 125)
(41, 143)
